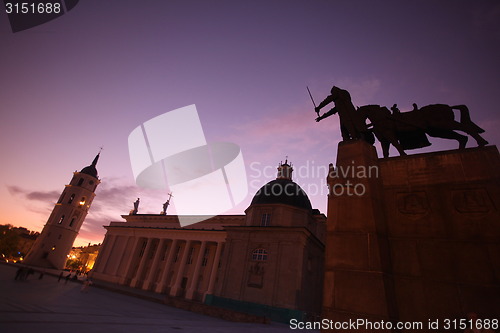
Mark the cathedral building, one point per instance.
(268, 261)
(53, 245)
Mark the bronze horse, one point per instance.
(408, 130)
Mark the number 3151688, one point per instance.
(33, 8)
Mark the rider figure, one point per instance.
(352, 125)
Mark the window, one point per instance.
(61, 219)
(143, 247)
(153, 249)
(164, 255)
(265, 220)
(80, 182)
(205, 257)
(259, 255)
(190, 256)
(72, 221)
(71, 198)
(221, 254)
(177, 252)
(82, 201)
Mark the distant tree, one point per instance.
(9, 240)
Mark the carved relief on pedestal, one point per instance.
(413, 203)
(471, 201)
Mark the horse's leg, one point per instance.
(385, 147)
(391, 137)
(387, 138)
(472, 132)
(448, 134)
(398, 147)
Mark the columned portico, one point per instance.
(273, 259)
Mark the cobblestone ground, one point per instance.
(47, 305)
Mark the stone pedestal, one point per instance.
(416, 238)
(357, 260)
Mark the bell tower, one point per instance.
(56, 239)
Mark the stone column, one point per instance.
(128, 264)
(168, 263)
(154, 266)
(213, 272)
(103, 256)
(119, 259)
(357, 280)
(180, 271)
(137, 278)
(194, 280)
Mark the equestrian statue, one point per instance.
(404, 130)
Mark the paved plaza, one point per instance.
(46, 305)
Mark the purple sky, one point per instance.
(90, 77)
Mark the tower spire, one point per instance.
(96, 158)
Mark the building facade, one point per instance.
(53, 245)
(268, 261)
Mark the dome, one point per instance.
(282, 191)
(91, 169)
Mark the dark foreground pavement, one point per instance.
(48, 306)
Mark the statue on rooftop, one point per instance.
(136, 207)
(166, 204)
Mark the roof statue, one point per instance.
(166, 204)
(404, 130)
(136, 207)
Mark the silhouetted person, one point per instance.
(395, 109)
(30, 272)
(60, 276)
(67, 278)
(415, 107)
(86, 284)
(41, 275)
(19, 274)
